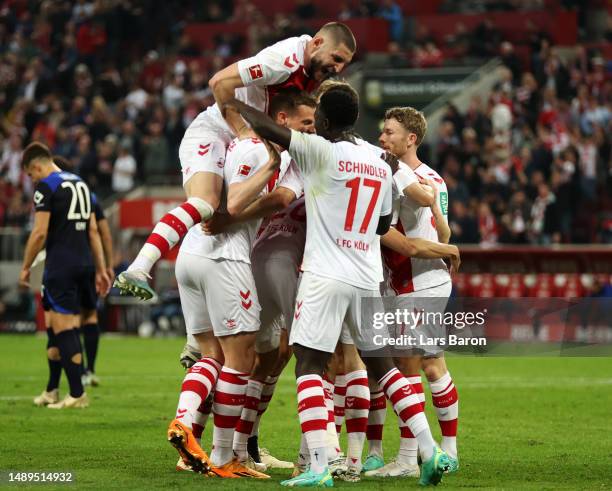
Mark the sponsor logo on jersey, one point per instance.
(444, 202)
(244, 170)
(255, 72)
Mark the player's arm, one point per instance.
(107, 246)
(262, 124)
(421, 248)
(95, 242)
(241, 194)
(420, 194)
(223, 84)
(267, 205)
(35, 244)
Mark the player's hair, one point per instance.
(33, 151)
(412, 120)
(341, 34)
(328, 84)
(340, 104)
(61, 161)
(288, 100)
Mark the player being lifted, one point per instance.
(419, 284)
(219, 298)
(348, 193)
(301, 62)
(65, 224)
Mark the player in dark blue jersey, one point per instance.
(63, 223)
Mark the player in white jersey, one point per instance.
(220, 303)
(420, 284)
(348, 205)
(300, 62)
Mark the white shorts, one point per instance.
(321, 308)
(431, 300)
(276, 279)
(217, 295)
(203, 149)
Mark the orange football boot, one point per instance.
(181, 438)
(238, 469)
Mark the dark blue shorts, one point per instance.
(70, 290)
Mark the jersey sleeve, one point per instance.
(42, 197)
(404, 177)
(270, 66)
(245, 165)
(395, 196)
(443, 201)
(387, 204)
(292, 179)
(309, 151)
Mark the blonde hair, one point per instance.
(328, 85)
(412, 120)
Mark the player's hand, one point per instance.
(216, 224)
(111, 274)
(455, 260)
(103, 283)
(275, 158)
(392, 160)
(24, 278)
(431, 187)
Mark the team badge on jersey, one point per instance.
(38, 197)
(255, 72)
(244, 170)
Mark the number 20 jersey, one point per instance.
(68, 200)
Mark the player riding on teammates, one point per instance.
(348, 203)
(300, 62)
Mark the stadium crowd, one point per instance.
(111, 87)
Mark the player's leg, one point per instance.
(202, 160)
(405, 463)
(234, 310)
(398, 390)
(339, 390)
(376, 422)
(276, 284)
(201, 378)
(357, 405)
(321, 306)
(89, 324)
(51, 393)
(62, 294)
(443, 391)
(446, 404)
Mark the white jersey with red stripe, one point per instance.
(284, 233)
(244, 158)
(409, 275)
(272, 69)
(347, 187)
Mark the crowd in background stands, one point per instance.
(111, 86)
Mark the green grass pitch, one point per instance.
(525, 423)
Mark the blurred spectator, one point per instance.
(487, 226)
(544, 218)
(155, 151)
(392, 13)
(463, 225)
(427, 56)
(124, 170)
(305, 9)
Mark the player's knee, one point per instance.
(433, 369)
(378, 367)
(53, 353)
(309, 361)
(204, 207)
(77, 358)
(284, 355)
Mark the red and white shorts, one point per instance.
(324, 305)
(203, 149)
(217, 295)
